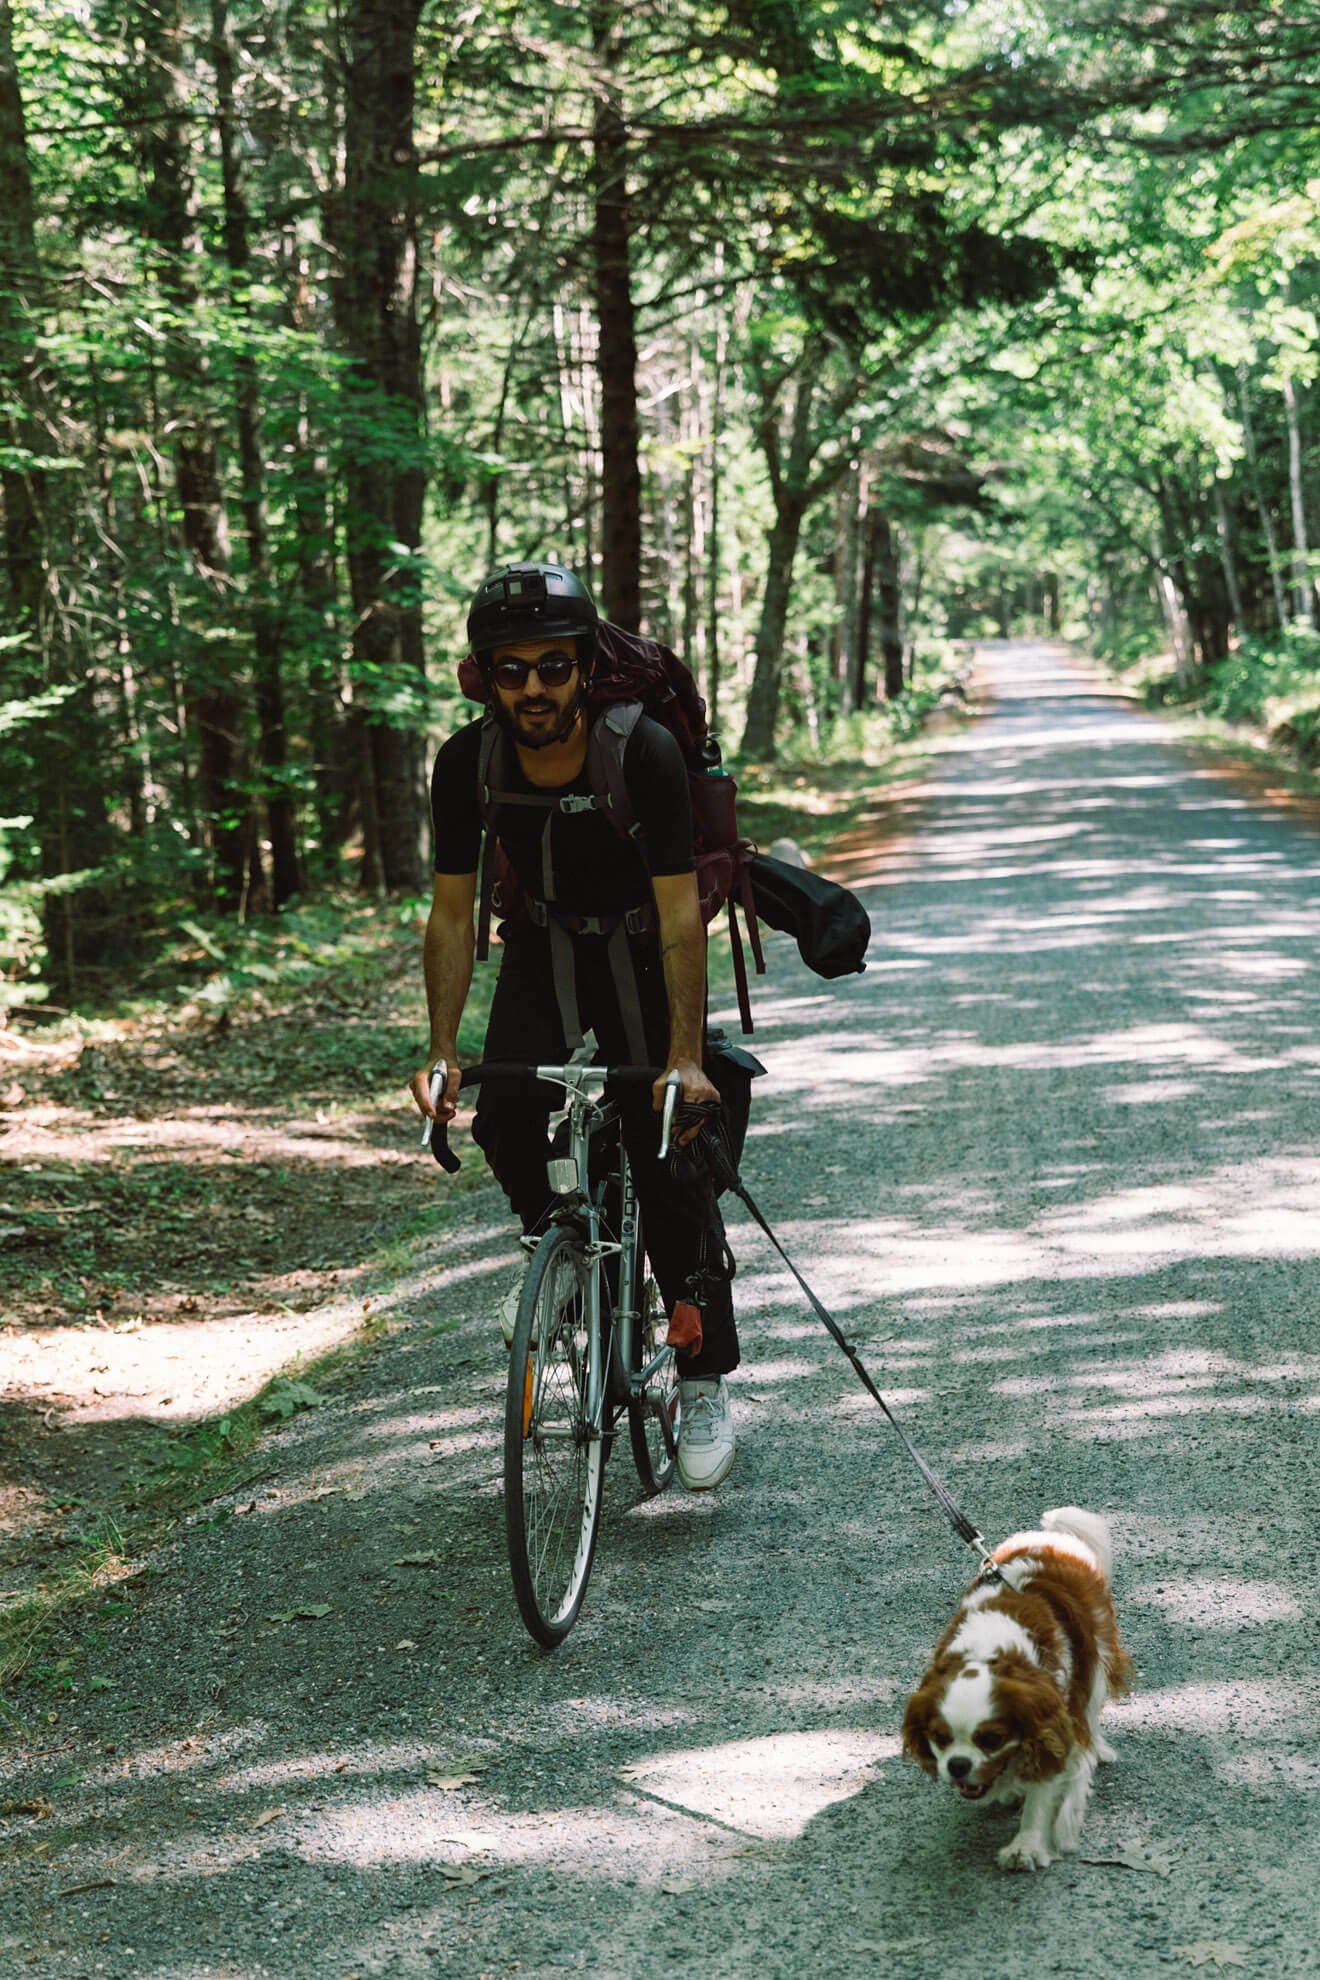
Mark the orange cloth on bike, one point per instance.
(685, 1327)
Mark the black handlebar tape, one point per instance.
(439, 1144)
(627, 1075)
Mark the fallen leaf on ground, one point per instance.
(1218, 1953)
(461, 1873)
(310, 1612)
(449, 1782)
(679, 1886)
(38, 1806)
(101, 1884)
(418, 1560)
(406, 1643)
(1135, 1856)
(268, 1815)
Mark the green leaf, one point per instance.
(284, 1397)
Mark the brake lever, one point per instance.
(435, 1134)
(673, 1094)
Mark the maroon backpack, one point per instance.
(632, 677)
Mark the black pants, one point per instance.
(681, 1222)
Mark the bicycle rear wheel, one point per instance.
(653, 1416)
(552, 1459)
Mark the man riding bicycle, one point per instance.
(610, 942)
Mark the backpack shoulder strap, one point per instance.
(488, 770)
(491, 739)
(606, 748)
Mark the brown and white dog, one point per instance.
(1009, 1708)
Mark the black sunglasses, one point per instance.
(552, 670)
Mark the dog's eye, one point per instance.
(989, 1742)
(940, 1736)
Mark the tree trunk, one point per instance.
(665, 588)
(1262, 507)
(865, 612)
(792, 490)
(713, 641)
(267, 638)
(317, 588)
(1227, 558)
(621, 528)
(694, 514)
(385, 478)
(758, 740)
(853, 502)
(563, 380)
(1176, 625)
(1303, 587)
(215, 698)
(889, 600)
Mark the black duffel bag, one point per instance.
(829, 925)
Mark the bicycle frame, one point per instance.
(567, 1389)
(570, 1179)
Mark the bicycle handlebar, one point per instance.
(435, 1135)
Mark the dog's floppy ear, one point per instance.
(921, 1709)
(1035, 1708)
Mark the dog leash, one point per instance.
(719, 1157)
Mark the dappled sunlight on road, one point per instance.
(1207, 1603)
(768, 1787)
(1254, 1707)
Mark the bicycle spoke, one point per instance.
(552, 1463)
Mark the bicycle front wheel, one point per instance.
(553, 1459)
(653, 1415)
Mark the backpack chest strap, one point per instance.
(640, 920)
(573, 802)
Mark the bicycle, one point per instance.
(587, 1347)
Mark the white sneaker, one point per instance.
(705, 1433)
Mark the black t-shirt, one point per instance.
(596, 870)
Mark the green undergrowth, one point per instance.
(1259, 705)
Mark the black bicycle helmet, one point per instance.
(531, 601)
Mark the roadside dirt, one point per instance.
(186, 1207)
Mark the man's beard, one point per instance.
(562, 729)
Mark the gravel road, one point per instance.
(1055, 1158)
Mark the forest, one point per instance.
(819, 335)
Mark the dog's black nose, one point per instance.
(959, 1767)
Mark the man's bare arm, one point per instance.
(683, 956)
(447, 954)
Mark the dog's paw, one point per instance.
(1104, 1752)
(1024, 1853)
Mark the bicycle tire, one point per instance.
(553, 1464)
(654, 1416)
